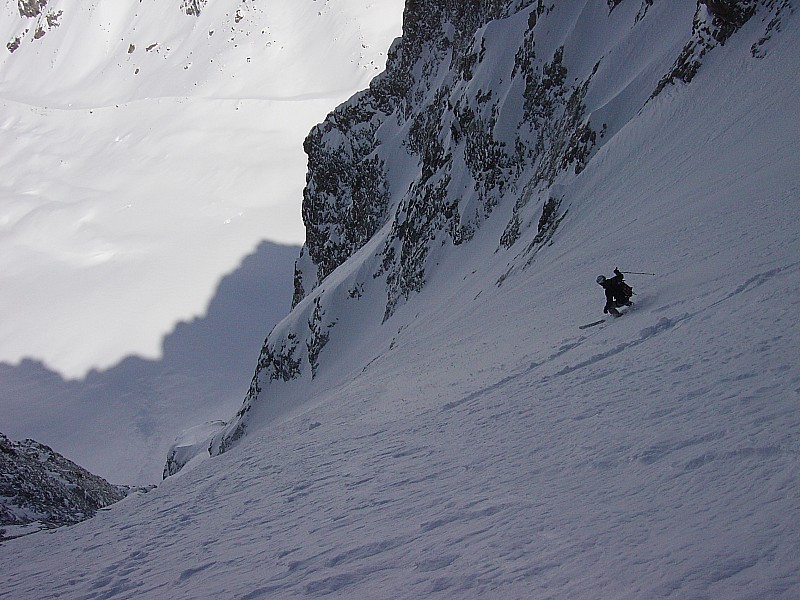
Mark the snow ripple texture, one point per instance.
(477, 444)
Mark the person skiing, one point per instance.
(618, 293)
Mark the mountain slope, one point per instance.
(94, 54)
(41, 489)
(473, 141)
(150, 150)
(474, 442)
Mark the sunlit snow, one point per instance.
(147, 151)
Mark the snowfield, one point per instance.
(148, 151)
(478, 444)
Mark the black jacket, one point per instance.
(616, 293)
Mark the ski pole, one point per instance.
(636, 273)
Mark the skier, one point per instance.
(618, 293)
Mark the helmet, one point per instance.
(601, 279)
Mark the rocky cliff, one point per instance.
(430, 104)
(486, 114)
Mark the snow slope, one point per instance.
(147, 151)
(478, 444)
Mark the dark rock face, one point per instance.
(445, 125)
(346, 194)
(425, 123)
(729, 15)
(40, 487)
(776, 10)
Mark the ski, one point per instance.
(604, 320)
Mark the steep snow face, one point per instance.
(482, 124)
(150, 146)
(478, 444)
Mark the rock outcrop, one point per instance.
(40, 489)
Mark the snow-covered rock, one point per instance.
(486, 115)
(191, 443)
(40, 489)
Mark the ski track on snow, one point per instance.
(489, 450)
